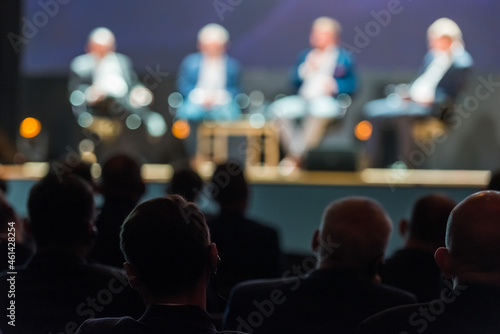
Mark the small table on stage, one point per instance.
(262, 142)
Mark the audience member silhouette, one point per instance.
(187, 183)
(122, 187)
(3, 186)
(471, 259)
(413, 268)
(494, 183)
(340, 291)
(13, 246)
(169, 257)
(249, 248)
(57, 290)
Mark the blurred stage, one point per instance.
(294, 203)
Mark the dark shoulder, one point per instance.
(259, 225)
(252, 287)
(393, 294)
(392, 320)
(106, 325)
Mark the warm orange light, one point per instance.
(363, 130)
(180, 129)
(30, 127)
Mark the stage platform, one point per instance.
(293, 202)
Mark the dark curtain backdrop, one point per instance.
(9, 67)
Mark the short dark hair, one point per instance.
(60, 208)
(430, 216)
(228, 183)
(187, 183)
(121, 175)
(166, 240)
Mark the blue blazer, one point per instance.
(187, 76)
(344, 74)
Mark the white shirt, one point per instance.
(423, 89)
(108, 76)
(317, 73)
(211, 82)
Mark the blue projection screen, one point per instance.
(388, 34)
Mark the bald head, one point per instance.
(473, 235)
(360, 227)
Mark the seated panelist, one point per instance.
(322, 73)
(102, 82)
(209, 79)
(441, 78)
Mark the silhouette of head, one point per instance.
(429, 218)
(121, 177)
(472, 252)
(229, 187)
(186, 183)
(353, 235)
(61, 210)
(166, 244)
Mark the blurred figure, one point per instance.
(3, 186)
(208, 80)
(471, 259)
(322, 73)
(413, 268)
(187, 183)
(122, 187)
(102, 82)
(441, 78)
(339, 293)
(57, 290)
(494, 183)
(13, 235)
(249, 249)
(169, 257)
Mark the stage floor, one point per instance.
(276, 175)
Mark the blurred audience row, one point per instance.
(163, 265)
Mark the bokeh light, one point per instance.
(363, 130)
(30, 127)
(181, 129)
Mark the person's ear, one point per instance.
(443, 260)
(404, 226)
(213, 258)
(315, 243)
(131, 275)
